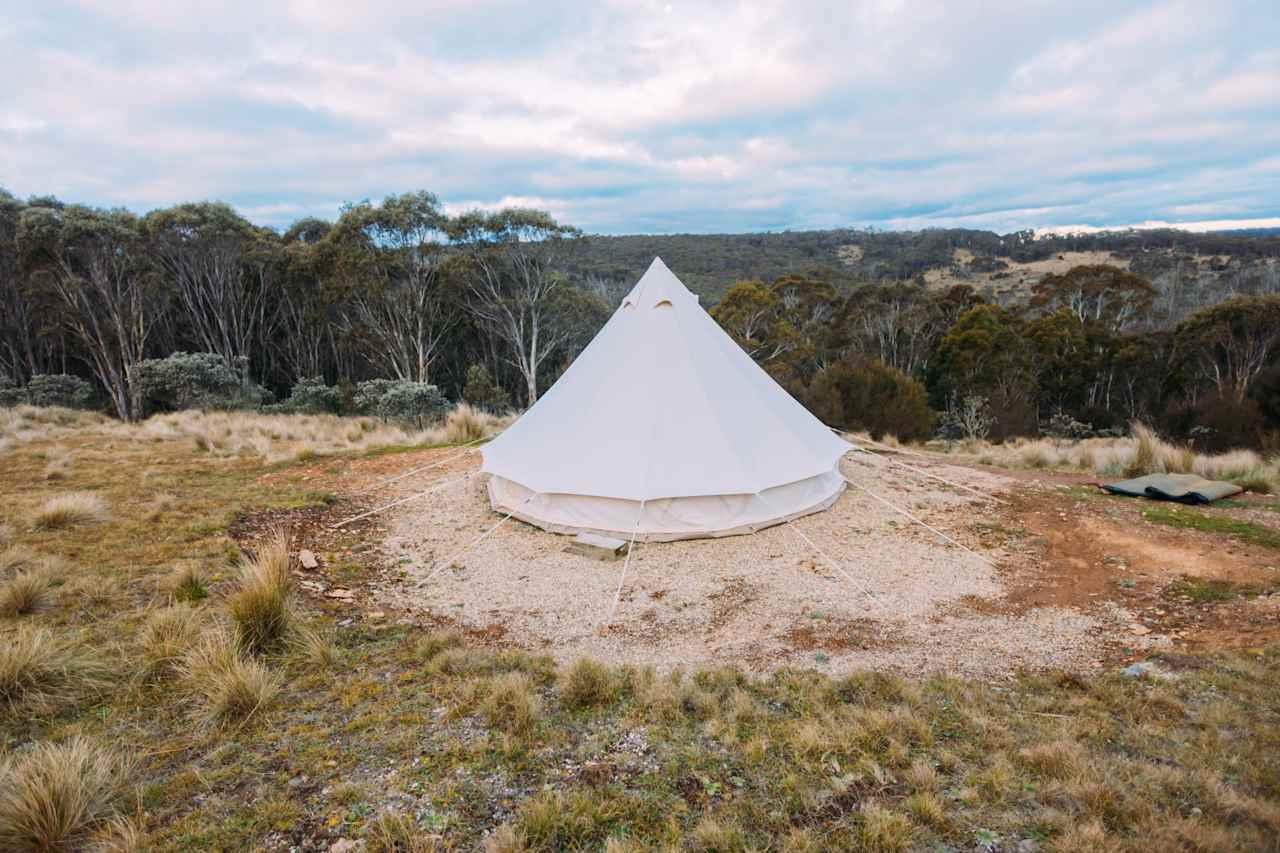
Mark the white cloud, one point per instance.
(654, 116)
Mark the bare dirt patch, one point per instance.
(893, 595)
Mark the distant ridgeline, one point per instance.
(1003, 267)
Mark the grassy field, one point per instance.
(163, 688)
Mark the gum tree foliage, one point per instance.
(95, 270)
(1229, 344)
(508, 267)
(222, 270)
(482, 392)
(395, 252)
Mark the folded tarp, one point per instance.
(1183, 488)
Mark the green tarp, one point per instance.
(1184, 488)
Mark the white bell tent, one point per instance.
(663, 429)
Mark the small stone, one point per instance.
(308, 559)
(375, 614)
(1139, 629)
(340, 594)
(343, 845)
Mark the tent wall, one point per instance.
(666, 519)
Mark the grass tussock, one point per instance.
(261, 606)
(40, 671)
(511, 705)
(1142, 452)
(313, 647)
(54, 796)
(168, 636)
(26, 593)
(587, 684)
(189, 585)
(68, 510)
(396, 832)
(303, 438)
(226, 686)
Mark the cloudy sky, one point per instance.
(627, 117)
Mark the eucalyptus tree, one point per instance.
(222, 268)
(305, 344)
(513, 291)
(392, 255)
(94, 266)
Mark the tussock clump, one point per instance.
(884, 831)
(1058, 759)
(122, 835)
(54, 796)
(26, 593)
(587, 684)
(14, 559)
(69, 509)
(394, 832)
(228, 687)
(261, 607)
(465, 424)
(167, 638)
(511, 704)
(432, 645)
(1146, 443)
(313, 647)
(40, 670)
(189, 585)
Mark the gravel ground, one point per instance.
(888, 594)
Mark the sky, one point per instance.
(655, 117)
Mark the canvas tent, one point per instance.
(663, 429)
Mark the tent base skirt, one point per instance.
(666, 519)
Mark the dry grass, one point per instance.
(54, 796)
(1143, 452)
(394, 832)
(313, 647)
(26, 593)
(168, 636)
(40, 671)
(511, 704)
(69, 509)
(261, 607)
(295, 438)
(587, 684)
(226, 686)
(189, 584)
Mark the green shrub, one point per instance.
(310, 396)
(483, 393)
(194, 380)
(400, 399)
(54, 389)
(866, 394)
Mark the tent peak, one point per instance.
(657, 286)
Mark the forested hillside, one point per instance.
(397, 309)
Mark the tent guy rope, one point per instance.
(834, 564)
(435, 487)
(926, 526)
(617, 595)
(925, 473)
(441, 565)
(389, 480)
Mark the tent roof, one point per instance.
(662, 403)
